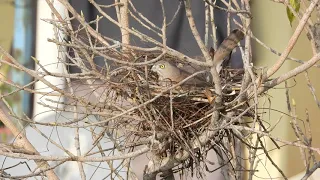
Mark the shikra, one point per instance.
(168, 71)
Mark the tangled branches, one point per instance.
(120, 104)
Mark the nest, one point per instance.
(174, 115)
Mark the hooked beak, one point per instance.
(153, 68)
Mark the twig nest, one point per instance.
(183, 111)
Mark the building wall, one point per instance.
(6, 23)
(271, 25)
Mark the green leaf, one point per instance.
(296, 6)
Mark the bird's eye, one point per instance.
(162, 66)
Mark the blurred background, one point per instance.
(24, 34)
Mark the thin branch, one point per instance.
(292, 40)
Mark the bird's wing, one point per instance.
(199, 80)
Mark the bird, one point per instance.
(168, 71)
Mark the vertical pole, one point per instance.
(49, 56)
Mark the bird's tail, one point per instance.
(226, 47)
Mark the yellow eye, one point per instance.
(162, 66)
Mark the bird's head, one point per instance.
(166, 70)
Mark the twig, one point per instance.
(292, 40)
(22, 141)
(275, 138)
(290, 74)
(312, 89)
(124, 21)
(311, 171)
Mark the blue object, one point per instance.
(22, 50)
